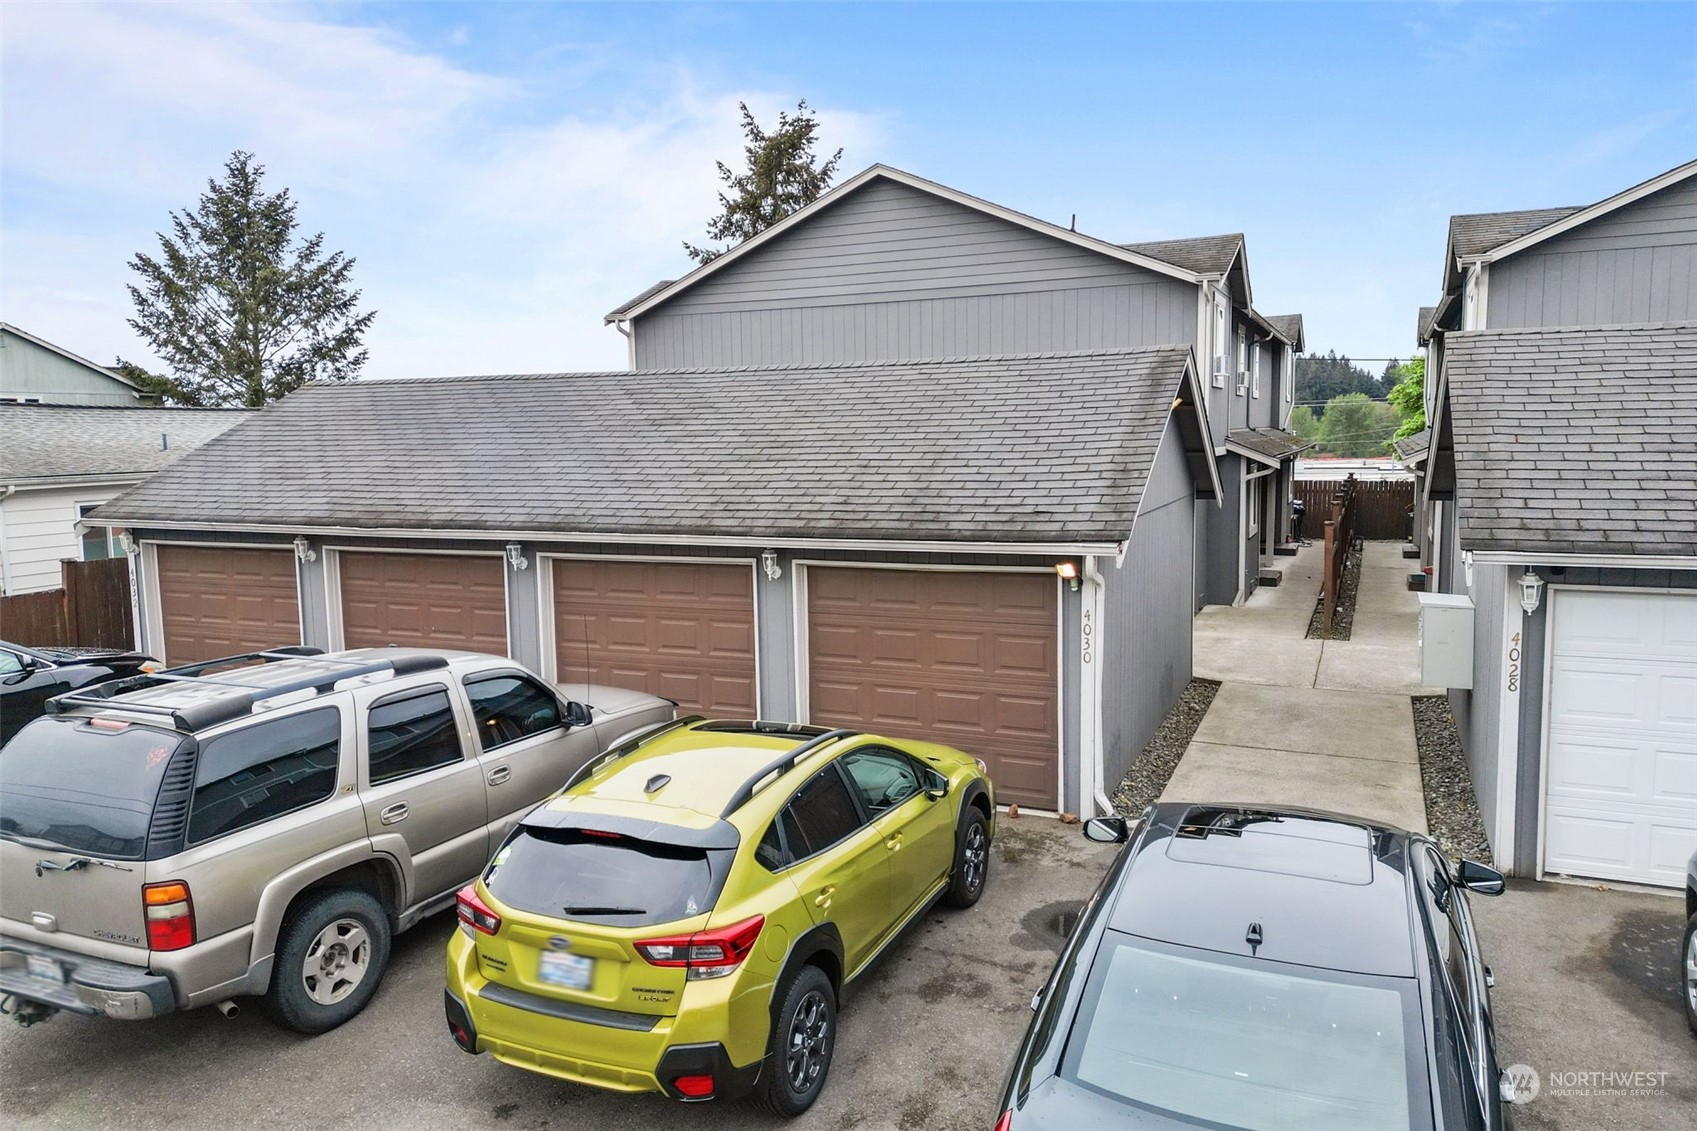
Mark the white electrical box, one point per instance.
(1446, 640)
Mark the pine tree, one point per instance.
(781, 178)
(241, 310)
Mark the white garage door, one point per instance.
(1621, 772)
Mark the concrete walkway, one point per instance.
(1325, 724)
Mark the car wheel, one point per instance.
(1689, 970)
(972, 861)
(800, 1054)
(330, 956)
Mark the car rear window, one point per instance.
(1236, 1043)
(604, 878)
(82, 787)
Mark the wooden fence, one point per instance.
(91, 610)
(1381, 506)
(1340, 534)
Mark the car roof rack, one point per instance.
(235, 698)
(763, 726)
(791, 758)
(627, 745)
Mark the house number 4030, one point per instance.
(1088, 632)
(1514, 662)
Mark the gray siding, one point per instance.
(1223, 524)
(1636, 265)
(29, 372)
(892, 272)
(1477, 711)
(1264, 410)
(1147, 645)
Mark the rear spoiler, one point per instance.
(719, 835)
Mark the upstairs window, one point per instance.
(1255, 371)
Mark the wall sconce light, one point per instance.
(1531, 591)
(127, 541)
(769, 563)
(515, 556)
(1069, 572)
(304, 550)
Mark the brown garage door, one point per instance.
(433, 600)
(219, 602)
(962, 658)
(684, 630)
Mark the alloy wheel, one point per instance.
(975, 856)
(337, 961)
(809, 1038)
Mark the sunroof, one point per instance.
(1286, 846)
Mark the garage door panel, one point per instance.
(684, 630)
(217, 601)
(961, 657)
(424, 600)
(1671, 844)
(1673, 780)
(1676, 703)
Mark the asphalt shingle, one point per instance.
(64, 441)
(1203, 255)
(1275, 443)
(1480, 232)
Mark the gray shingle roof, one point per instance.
(1412, 449)
(1018, 449)
(62, 441)
(1576, 440)
(1480, 232)
(618, 313)
(1423, 327)
(1274, 443)
(1204, 255)
(1289, 327)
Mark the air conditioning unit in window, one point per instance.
(1222, 368)
(1242, 380)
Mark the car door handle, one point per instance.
(394, 814)
(823, 899)
(893, 841)
(500, 774)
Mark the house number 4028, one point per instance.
(1514, 662)
(1088, 632)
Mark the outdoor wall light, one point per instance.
(769, 563)
(1531, 591)
(1068, 571)
(127, 541)
(515, 556)
(304, 550)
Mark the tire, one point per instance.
(799, 1056)
(331, 955)
(972, 861)
(1688, 972)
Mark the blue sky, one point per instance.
(506, 173)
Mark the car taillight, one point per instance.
(1006, 1122)
(170, 915)
(694, 1087)
(706, 954)
(474, 913)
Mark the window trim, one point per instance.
(335, 781)
(467, 682)
(848, 785)
(854, 787)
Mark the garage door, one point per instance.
(220, 602)
(684, 630)
(433, 600)
(1621, 775)
(967, 659)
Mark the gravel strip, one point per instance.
(1154, 766)
(1452, 811)
(1343, 617)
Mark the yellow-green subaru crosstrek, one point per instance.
(685, 915)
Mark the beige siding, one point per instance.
(40, 530)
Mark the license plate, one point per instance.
(573, 971)
(46, 969)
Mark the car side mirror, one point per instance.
(936, 785)
(579, 714)
(1107, 830)
(1478, 877)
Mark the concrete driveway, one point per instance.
(925, 1040)
(1587, 983)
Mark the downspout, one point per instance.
(623, 327)
(1091, 768)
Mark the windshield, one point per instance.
(604, 878)
(1241, 1043)
(82, 787)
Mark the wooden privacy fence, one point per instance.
(92, 610)
(1381, 506)
(1340, 535)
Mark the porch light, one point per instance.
(304, 550)
(1531, 591)
(127, 541)
(1068, 571)
(769, 563)
(515, 556)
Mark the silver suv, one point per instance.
(264, 824)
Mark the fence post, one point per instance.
(73, 607)
(1329, 590)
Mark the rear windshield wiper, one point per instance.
(35, 841)
(605, 910)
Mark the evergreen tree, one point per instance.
(1320, 379)
(781, 178)
(239, 308)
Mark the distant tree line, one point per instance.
(1347, 411)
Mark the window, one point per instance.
(411, 732)
(263, 771)
(1221, 347)
(819, 815)
(99, 542)
(770, 851)
(10, 662)
(1253, 504)
(1242, 362)
(1287, 374)
(510, 707)
(884, 778)
(1255, 371)
(598, 877)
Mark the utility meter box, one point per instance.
(1446, 640)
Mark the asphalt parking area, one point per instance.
(925, 1040)
(1587, 984)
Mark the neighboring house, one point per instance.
(888, 266)
(993, 553)
(59, 462)
(1560, 498)
(35, 371)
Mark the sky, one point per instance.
(504, 174)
